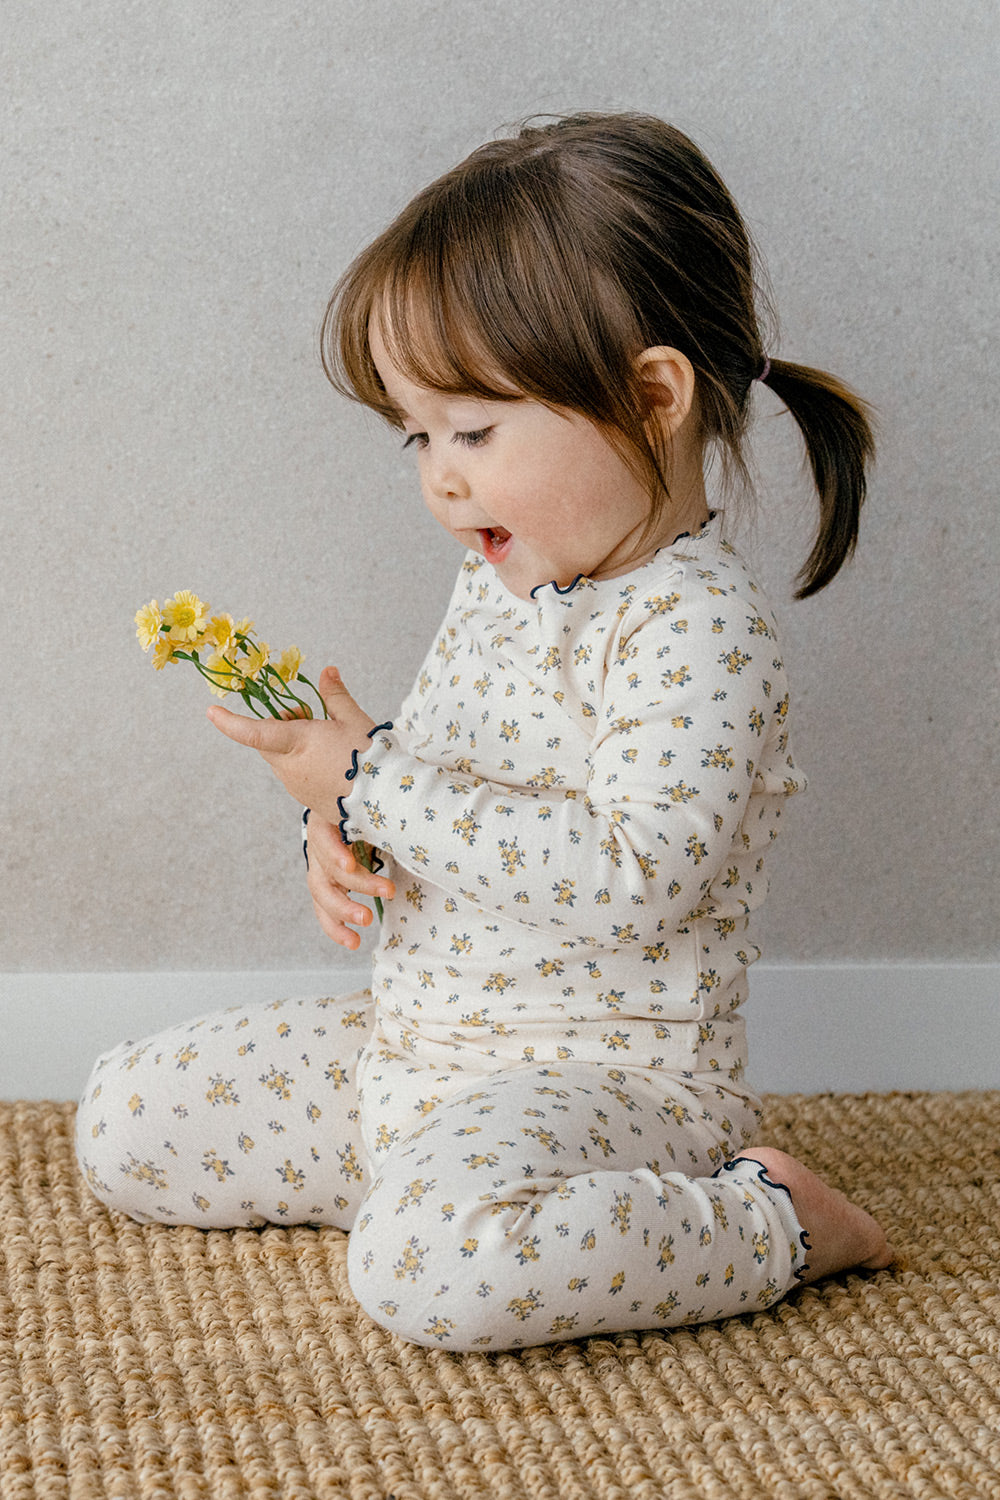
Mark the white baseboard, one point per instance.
(850, 1028)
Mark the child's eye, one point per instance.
(474, 439)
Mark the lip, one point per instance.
(493, 551)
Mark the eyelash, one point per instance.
(474, 439)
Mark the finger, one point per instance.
(344, 903)
(331, 681)
(339, 907)
(332, 690)
(338, 891)
(337, 932)
(335, 862)
(369, 883)
(268, 736)
(334, 916)
(328, 848)
(338, 862)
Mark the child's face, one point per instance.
(541, 494)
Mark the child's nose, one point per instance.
(447, 480)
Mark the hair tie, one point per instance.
(765, 371)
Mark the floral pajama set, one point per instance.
(531, 1124)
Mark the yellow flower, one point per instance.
(229, 674)
(258, 655)
(185, 615)
(148, 621)
(163, 652)
(245, 626)
(289, 663)
(221, 631)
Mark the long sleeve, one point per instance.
(680, 752)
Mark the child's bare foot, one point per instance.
(841, 1234)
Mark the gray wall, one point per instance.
(184, 182)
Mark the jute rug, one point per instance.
(157, 1363)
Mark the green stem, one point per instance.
(363, 854)
(284, 691)
(261, 694)
(220, 679)
(313, 688)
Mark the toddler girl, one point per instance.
(535, 1124)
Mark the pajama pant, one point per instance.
(531, 1204)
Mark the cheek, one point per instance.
(436, 512)
(432, 502)
(569, 504)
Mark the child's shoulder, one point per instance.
(704, 572)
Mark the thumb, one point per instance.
(341, 708)
(332, 689)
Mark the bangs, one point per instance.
(481, 287)
(432, 336)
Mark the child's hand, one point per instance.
(310, 756)
(333, 874)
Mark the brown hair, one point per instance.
(544, 264)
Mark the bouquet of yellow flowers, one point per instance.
(226, 653)
(235, 661)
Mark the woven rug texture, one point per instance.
(147, 1363)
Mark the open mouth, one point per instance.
(496, 542)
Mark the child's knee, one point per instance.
(412, 1259)
(408, 1297)
(109, 1140)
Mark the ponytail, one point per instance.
(836, 425)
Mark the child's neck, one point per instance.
(687, 507)
(685, 513)
(688, 516)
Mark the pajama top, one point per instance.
(576, 804)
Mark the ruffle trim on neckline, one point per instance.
(761, 1174)
(553, 585)
(583, 578)
(349, 776)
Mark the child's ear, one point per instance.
(667, 380)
